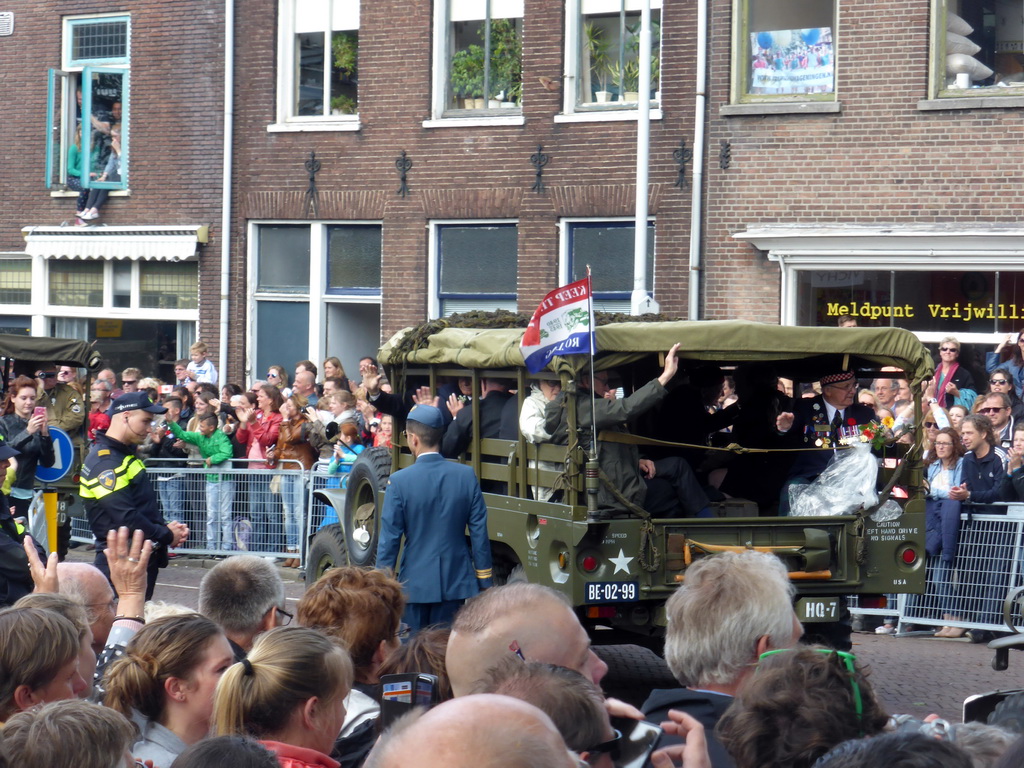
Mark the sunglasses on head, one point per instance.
(848, 661)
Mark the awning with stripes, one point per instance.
(171, 243)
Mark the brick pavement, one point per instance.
(919, 675)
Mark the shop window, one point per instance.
(318, 72)
(283, 259)
(977, 48)
(606, 63)
(783, 50)
(16, 281)
(76, 283)
(953, 302)
(353, 258)
(476, 267)
(169, 285)
(87, 135)
(480, 57)
(607, 246)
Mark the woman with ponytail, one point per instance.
(165, 682)
(289, 693)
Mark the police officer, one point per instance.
(116, 490)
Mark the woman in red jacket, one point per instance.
(258, 431)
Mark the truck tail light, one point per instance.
(589, 563)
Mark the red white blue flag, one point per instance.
(562, 325)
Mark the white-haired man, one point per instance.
(732, 608)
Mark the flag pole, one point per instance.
(593, 399)
(592, 471)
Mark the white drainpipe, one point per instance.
(225, 202)
(696, 206)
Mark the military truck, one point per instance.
(23, 355)
(618, 572)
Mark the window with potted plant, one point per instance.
(608, 53)
(484, 65)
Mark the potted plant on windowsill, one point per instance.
(467, 76)
(600, 64)
(626, 80)
(506, 64)
(345, 55)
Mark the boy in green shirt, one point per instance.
(215, 447)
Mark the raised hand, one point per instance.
(44, 575)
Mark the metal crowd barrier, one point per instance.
(265, 512)
(974, 587)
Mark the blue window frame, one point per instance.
(94, 81)
(477, 265)
(607, 246)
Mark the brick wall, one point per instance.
(462, 172)
(176, 112)
(880, 160)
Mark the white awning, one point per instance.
(174, 243)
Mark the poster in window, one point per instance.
(792, 61)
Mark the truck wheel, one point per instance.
(366, 481)
(1009, 714)
(327, 551)
(633, 672)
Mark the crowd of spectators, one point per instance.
(240, 683)
(89, 676)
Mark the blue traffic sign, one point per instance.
(63, 458)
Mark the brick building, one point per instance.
(872, 151)
(152, 71)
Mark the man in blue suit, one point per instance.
(820, 422)
(431, 504)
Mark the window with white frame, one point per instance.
(783, 50)
(306, 278)
(87, 106)
(475, 265)
(318, 61)
(170, 285)
(977, 48)
(478, 57)
(607, 247)
(15, 281)
(604, 60)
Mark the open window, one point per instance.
(88, 105)
(977, 48)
